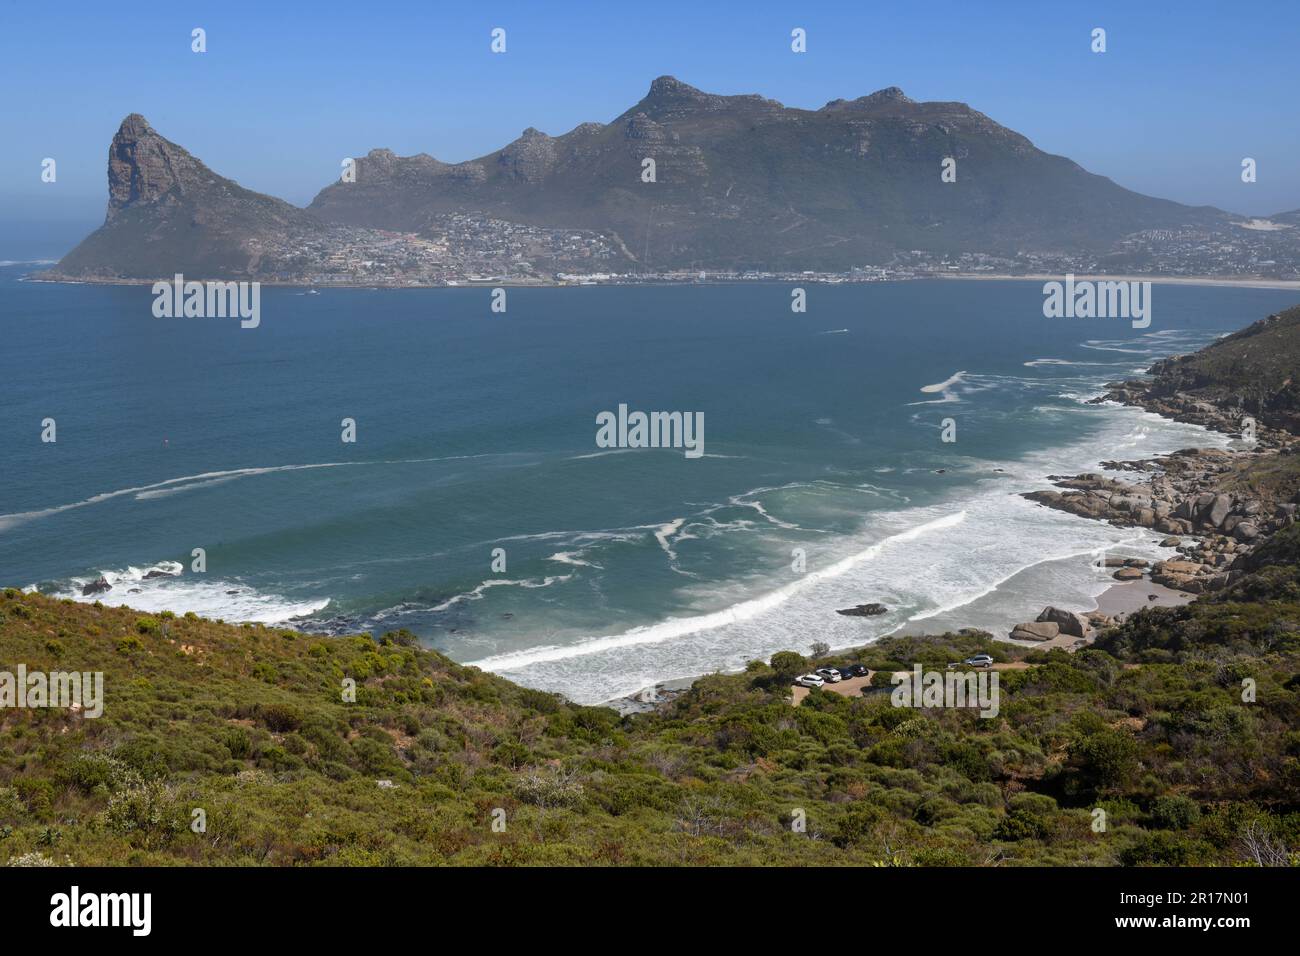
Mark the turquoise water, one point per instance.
(476, 431)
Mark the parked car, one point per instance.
(830, 675)
(809, 680)
(852, 670)
(979, 660)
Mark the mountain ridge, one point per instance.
(851, 182)
(742, 183)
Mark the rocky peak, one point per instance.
(890, 94)
(145, 168)
(530, 157)
(668, 90)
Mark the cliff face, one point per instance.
(145, 168)
(169, 213)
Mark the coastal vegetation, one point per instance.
(247, 730)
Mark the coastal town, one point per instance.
(466, 249)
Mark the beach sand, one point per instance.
(1121, 600)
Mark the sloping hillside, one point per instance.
(1256, 370)
(437, 763)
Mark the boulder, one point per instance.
(1219, 509)
(1035, 631)
(1067, 621)
(97, 587)
(1246, 531)
(1179, 582)
(1128, 574)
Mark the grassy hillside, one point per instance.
(248, 723)
(1256, 370)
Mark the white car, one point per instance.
(830, 675)
(809, 680)
(979, 660)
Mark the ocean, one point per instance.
(477, 509)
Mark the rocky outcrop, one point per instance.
(97, 587)
(1214, 505)
(1184, 499)
(863, 610)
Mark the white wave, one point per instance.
(602, 454)
(190, 482)
(745, 611)
(1082, 398)
(944, 385)
(944, 388)
(571, 557)
(477, 593)
(742, 501)
(179, 592)
(664, 534)
(1115, 348)
(998, 565)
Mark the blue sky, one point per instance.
(285, 91)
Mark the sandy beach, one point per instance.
(1254, 283)
(1123, 599)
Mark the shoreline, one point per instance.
(1251, 282)
(1213, 527)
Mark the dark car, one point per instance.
(852, 670)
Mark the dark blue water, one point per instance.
(476, 431)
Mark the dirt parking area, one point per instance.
(848, 688)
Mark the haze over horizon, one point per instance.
(1169, 110)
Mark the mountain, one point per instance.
(741, 182)
(744, 181)
(169, 213)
